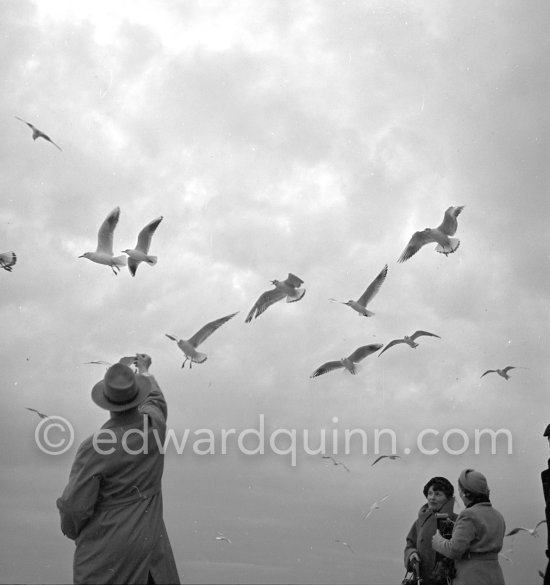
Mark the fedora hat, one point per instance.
(121, 389)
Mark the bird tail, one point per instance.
(199, 358)
(450, 248)
(152, 260)
(300, 292)
(119, 260)
(367, 313)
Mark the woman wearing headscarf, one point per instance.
(439, 495)
(477, 535)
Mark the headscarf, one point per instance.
(474, 482)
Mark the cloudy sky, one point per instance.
(311, 137)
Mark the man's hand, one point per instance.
(142, 362)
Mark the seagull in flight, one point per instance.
(345, 544)
(104, 251)
(440, 235)
(349, 363)
(360, 305)
(127, 361)
(503, 372)
(289, 288)
(36, 133)
(7, 260)
(334, 462)
(40, 414)
(189, 346)
(409, 340)
(222, 537)
(392, 457)
(531, 531)
(141, 252)
(374, 507)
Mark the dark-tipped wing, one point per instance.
(25, 122)
(378, 459)
(46, 137)
(327, 367)
(449, 224)
(363, 351)
(265, 301)
(145, 235)
(508, 368)
(105, 233)
(487, 372)
(7, 260)
(515, 531)
(132, 265)
(419, 333)
(418, 240)
(293, 280)
(208, 329)
(373, 287)
(171, 337)
(391, 344)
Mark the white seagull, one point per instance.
(104, 251)
(439, 235)
(334, 462)
(344, 544)
(503, 372)
(360, 305)
(222, 537)
(409, 340)
(7, 260)
(289, 288)
(141, 252)
(392, 457)
(189, 346)
(374, 507)
(349, 363)
(36, 133)
(532, 531)
(127, 361)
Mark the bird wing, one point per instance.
(46, 137)
(390, 344)
(418, 240)
(171, 337)
(508, 368)
(487, 372)
(327, 367)
(449, 224)
(378, 459)
(293, 280)
(99, 363)
(105, 233)
(25, 122)
(363, 351)
(539, 523)
(145, 235)
(208, 329)
(419, 333)
(373, 287)
(7, 260)
(515, 531)
(264, 302)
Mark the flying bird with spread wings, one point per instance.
(40, 414)
(350, 362)
(8, 260)
(104, 251)
(360, 305)
(222, 537)
(532, 531)
(503, 372)
(334, 461)
(440, 235)
(36, 133)
(141, 252)
(375, 506)
(289, 288)
(392, 457)
(410, 340)
(189, 346)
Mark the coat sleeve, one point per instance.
(77, 503)
(410, 547)
(464, 534)
(155, 404)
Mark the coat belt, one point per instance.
(135, 496)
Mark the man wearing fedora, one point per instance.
(112, 505)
